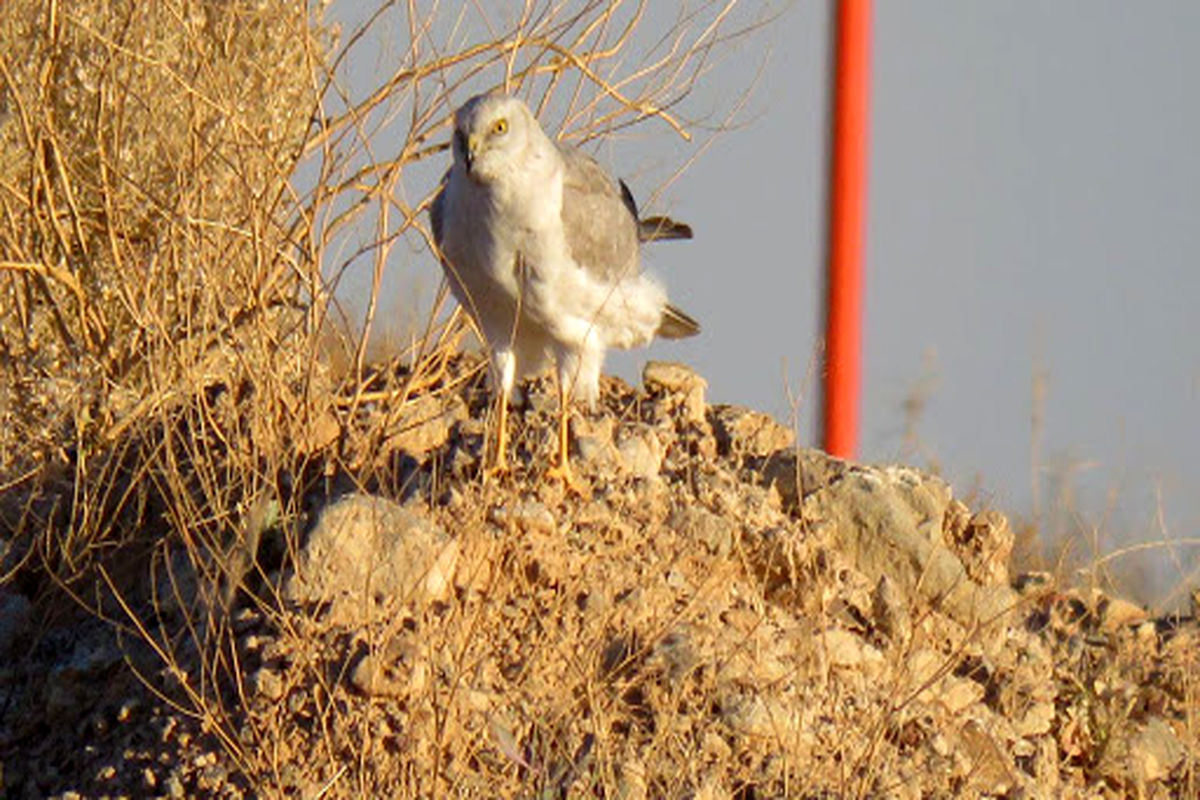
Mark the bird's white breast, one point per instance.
(495, 225)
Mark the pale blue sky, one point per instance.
(1035, 204)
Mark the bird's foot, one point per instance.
(563, 473)
(499, 470)
(497, 473)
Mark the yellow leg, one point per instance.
(564, 445)
(500, 462)
(562, 469)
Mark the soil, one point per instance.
(714, 613)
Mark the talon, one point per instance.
(573, 484)
(498, 471)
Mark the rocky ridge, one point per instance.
(724, 615)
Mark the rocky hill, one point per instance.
(725, 615)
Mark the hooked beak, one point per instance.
(467, 147)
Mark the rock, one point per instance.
(767, 718)
(1116, 613)
(1154, 750)
(15, 620)
(743, 433)
(983, 541)
(925, 668)
(766, 633)
(372, 678)
(174, 787)
(527, 516)
(364, 550)
(890, 611)
(267, 682)
(639, 452)
(888, 521)
(678, 652)
(843, 649)
(989, 772)
(538, 396)
(671, 377)
(366, 673)
(1037, 721)
(593, 440)
(424, 424)
(72, 681)
(796, 474)
(322, 432)
(178, 585)
(958, 694)
(681, 383)
(716, 532)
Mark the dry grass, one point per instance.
(1064, 532)
(184, 188)
(151, 273)
(183, 191)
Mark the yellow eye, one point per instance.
(500, 126)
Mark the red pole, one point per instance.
(847, 224)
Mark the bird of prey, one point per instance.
(540, 246)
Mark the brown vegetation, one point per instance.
(183, 185)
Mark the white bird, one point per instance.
(540, 246)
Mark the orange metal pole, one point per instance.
(847, 229)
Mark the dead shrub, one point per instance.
(184, 186)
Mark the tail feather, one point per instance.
(657, 229)
(653, 229)
(676, 324)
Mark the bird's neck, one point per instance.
(533, 191)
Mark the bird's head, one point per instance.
(491, 131)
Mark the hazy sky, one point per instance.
(1036, 205)
(1035, 209)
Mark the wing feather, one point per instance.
(653, 229)
(601, 232)
(437, 211)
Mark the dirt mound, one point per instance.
(724, 615)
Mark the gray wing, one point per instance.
(437, 211)
(437, 225)
(601, 233)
